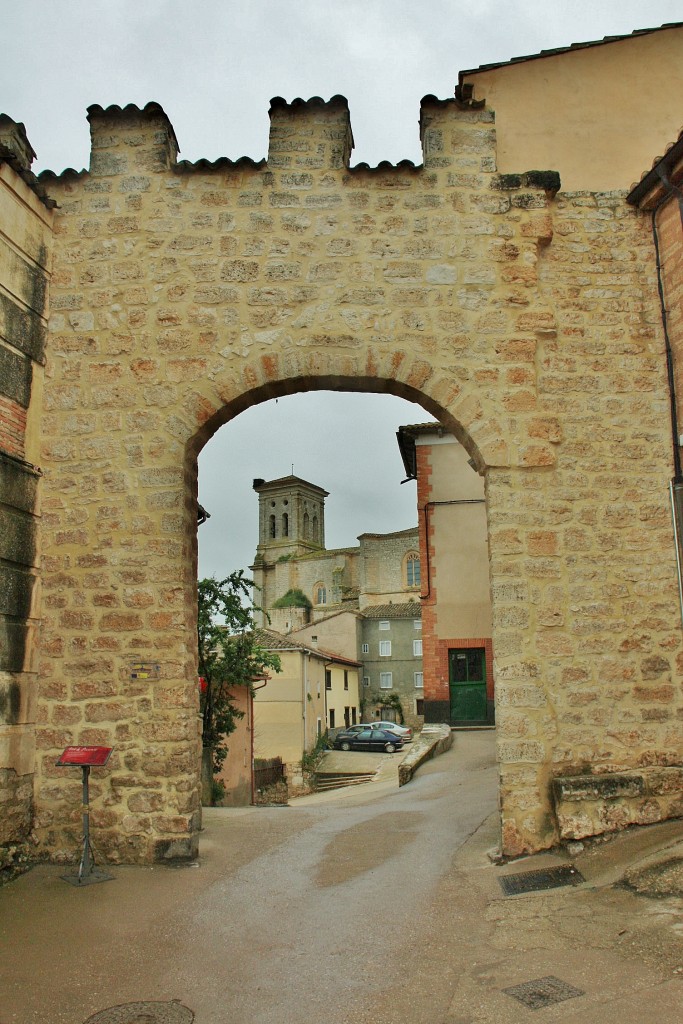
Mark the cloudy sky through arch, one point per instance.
(343, 442)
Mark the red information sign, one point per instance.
(84, 757)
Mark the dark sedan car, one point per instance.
(367, 739)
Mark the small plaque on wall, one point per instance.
(145, 670)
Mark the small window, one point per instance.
(320, 593)
(365, 648)
(366, 680)
(320, 728)
(384, 624)
(328, 679)
(385, 680)
(346, 679)
(417, 623)
(417, 648)
(412, 565)
(385, 648)
(419, 684)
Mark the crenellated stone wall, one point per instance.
(525, 319)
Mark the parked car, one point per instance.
(404, 731)
(365, 738)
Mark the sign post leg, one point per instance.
(87, 872)
(85, 758)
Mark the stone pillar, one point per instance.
(25, 248)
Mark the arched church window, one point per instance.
(315, 529)
(307, 525)
(412, 569)
(320, 593)
(272, 528)
(285, 525)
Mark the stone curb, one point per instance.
(433, 740)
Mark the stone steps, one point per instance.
(326, 782)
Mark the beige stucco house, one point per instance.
(291, 713)
(597, 112)
(457, 650)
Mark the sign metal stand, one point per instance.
(86, 758)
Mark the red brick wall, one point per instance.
(12, 427)
(435, 649)
(439, 664)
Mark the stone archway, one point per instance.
(183, 294)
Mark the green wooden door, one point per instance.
(467, 679)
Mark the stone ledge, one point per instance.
(433, 740)
(594, 804)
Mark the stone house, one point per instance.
(332, 597)
(455, 588)
(510, 285)
(392, 656)
(314, 690)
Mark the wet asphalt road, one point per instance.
(321, 911)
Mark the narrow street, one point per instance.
(370, 905)
(300, 913)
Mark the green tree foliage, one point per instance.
(293, 599)
(229, 655)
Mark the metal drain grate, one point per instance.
(543, 992)
(144, 1013)
(534, 881)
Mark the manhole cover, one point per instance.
(144, 1013)
(543, 992)
(534, 881)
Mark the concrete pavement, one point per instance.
(373, 905)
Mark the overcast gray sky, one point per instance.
(214, 65)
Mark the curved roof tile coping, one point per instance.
(386, 165)
(651, 181)
(430, 100)
(95, 110)
(151, 109)
(222, 161)
(68, 172)
(278, 103)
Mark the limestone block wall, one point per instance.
(25, 245)
(382, 577)
(525, 321)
